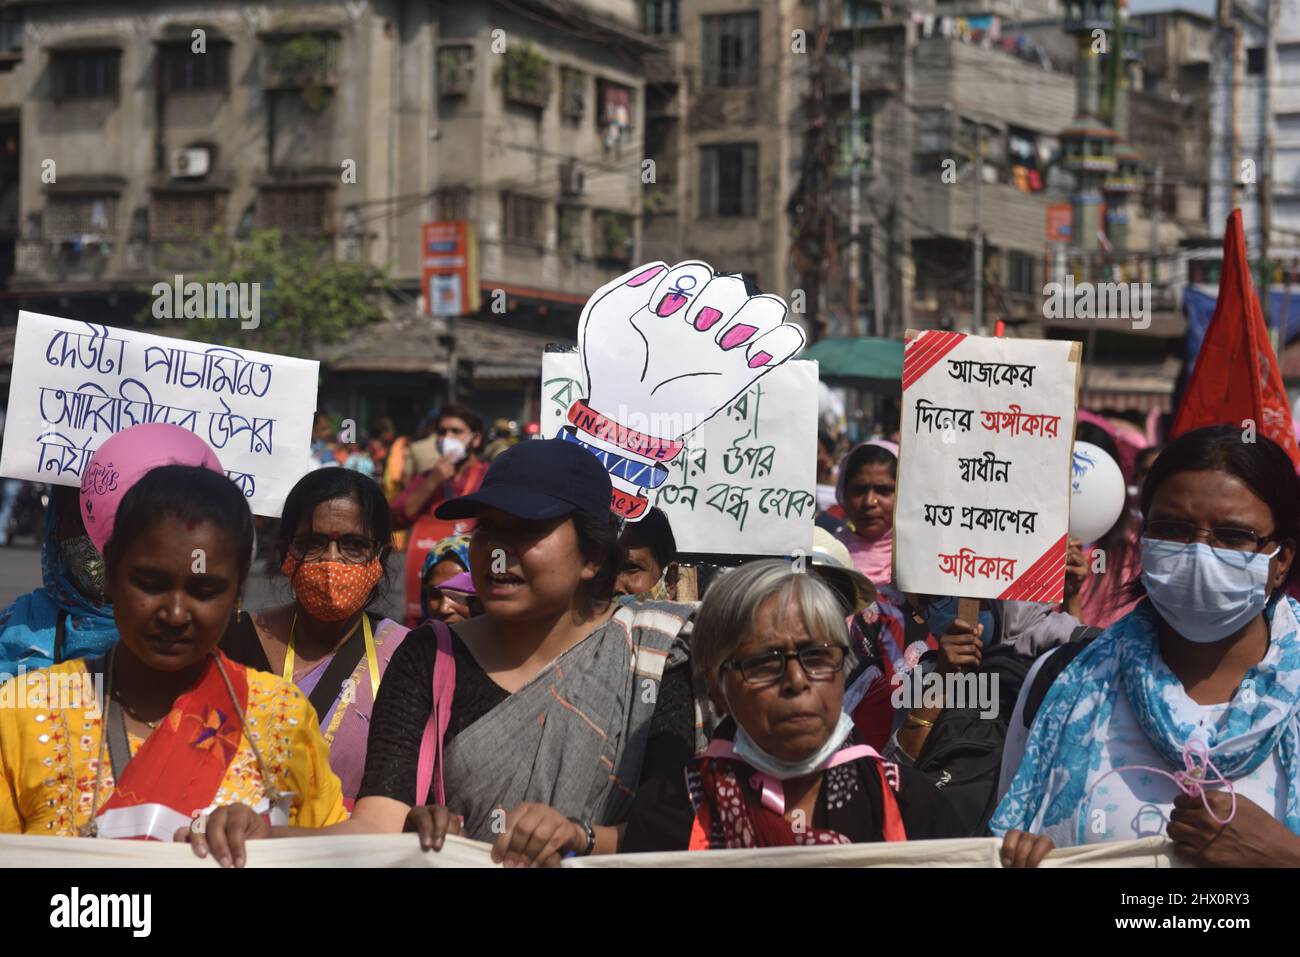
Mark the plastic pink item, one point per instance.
(121, 462)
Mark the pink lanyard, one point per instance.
(772, 788)
(1191, 780)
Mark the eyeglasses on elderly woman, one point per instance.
(817, 662)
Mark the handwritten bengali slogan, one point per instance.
(745, 482)
(74, 384)
(983, 493)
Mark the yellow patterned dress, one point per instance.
(50, 728)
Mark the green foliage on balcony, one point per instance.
(525, 76)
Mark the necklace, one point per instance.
(133, 713)
(91, 827)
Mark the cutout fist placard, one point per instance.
(663, 350)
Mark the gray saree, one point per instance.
(575, 735)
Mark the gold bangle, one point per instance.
(919, 722)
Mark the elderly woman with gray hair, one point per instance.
(784, 766)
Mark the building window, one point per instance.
(858, 12)
(455, 70)
(614, 118)
(11, 32)
(300, 61)
(573, 93)
(1255, 61)
(451, 203)
(1022, 271)
(181, 69)
(569, 228)
(184, 215)
(77, 218)
(660, 16)
(729, 180)
(523, 218)
(304, 210)
(84, 74)
(614, 237)
(730, 49)
(854, 144)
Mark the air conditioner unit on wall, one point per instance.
(190, 163)
(574, 179)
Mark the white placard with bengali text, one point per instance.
(983, 502)
(745, 483)
(75, 383)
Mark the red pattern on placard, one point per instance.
(1044, 580)
(925, 351)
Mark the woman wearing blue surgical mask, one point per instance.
(1199, 683)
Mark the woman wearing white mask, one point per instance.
(785, 766)
(458, 472)
(1199, 683)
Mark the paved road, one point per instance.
(20, 572)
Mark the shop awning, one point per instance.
(861, 358)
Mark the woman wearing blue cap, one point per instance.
(550, 708)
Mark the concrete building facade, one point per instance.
(139, 127)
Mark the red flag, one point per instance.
(1236, 375)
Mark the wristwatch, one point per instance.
(591, 836)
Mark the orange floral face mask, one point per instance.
(332, 591)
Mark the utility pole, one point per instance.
(906, 263)
(1155, 223)
(979, 233)
(1266, 174)
(855, 191)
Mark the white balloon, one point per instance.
(1097, 492)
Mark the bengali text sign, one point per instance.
(76, 383)
(745, 481)
(983, 492)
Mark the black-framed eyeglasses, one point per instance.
(353, 549)
(817, 661)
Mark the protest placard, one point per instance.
(746, 479)
(984, 466)
(76, 383)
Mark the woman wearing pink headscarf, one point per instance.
(867, 483)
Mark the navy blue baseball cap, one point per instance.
(538, 480)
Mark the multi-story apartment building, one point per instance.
(1255, 124)
(720, 105)
(138, 126)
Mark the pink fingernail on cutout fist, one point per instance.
(640, 279)
(707, 318)
(737, 335)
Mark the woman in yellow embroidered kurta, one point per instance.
(49, 753)
(184, 728)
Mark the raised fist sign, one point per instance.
(663, 351)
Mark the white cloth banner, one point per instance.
(961, 852)
(984, 466)
(344, 850)
(403, 850)
(745, 484)
(75, 383)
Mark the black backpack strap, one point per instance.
(1056, 662)
(995, 609)
(60, 635)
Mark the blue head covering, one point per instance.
(27, 626)
(452, 548)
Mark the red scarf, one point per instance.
(180, 766)
(729, 815)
